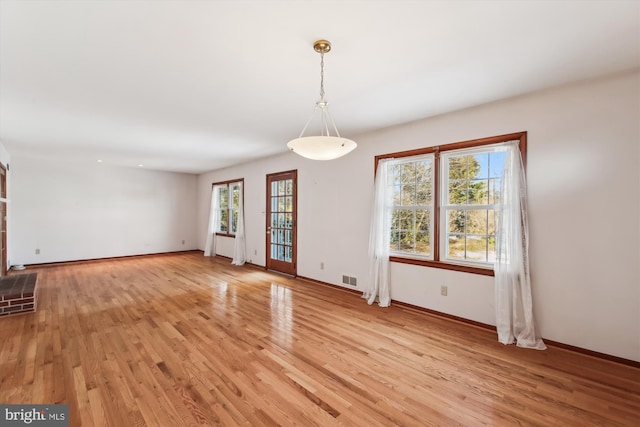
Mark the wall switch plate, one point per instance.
(443, 291)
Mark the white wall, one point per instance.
(74, 211)
(584, 199)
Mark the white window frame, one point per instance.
(439, 231)
(230, 187)
(445, 206)
(416, 207)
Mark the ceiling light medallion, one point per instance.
(323, 146)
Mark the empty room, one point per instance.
(319, 213)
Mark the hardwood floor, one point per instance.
(181, 340)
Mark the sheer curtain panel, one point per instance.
(240, 246)
(210, 243)
(379, 241)
(514, 305)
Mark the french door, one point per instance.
(282, 221)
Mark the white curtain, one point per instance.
(514, 307)
(379, 240)
(240, 246)
(210, 244)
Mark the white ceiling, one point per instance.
(193, 86)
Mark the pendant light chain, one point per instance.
(322, 76)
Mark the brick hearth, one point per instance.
(18, 293)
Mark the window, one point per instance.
(471, 182)
(445, 202)
(228, 194)
(410, 183)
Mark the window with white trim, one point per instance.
(228, 194)
(411, 186)
(470, 198)
(445, 202)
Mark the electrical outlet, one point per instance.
(183, 242)
(322, 266)
(255, 252)
(37, 251)
(443, 291)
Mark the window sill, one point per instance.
(443, 265)
(233, 236)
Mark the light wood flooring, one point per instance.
(184, 340)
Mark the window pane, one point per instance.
(288, 204)
(280, 204)
(457, 168)
(494, 191)
(289, 187)
(274, 236)
(281, 222)
(288, 220)
(235, 196)
(423, 194)
(423, 243)
(473, 166)
(234, 221)
(406, 241)
(492, 222)
(274, 220)
(288, 254)
(405, 219)
(397, 195)
(497, 161)
(395, 217)
(457, 192)
(423, 220)
(455, 246)
(395, 241)
(394, 175)
(274, 204)
(224, 221)
(477, 221)
(476, 248)
(479, 166)
(456, 221)
(412, 192)
(408, 173)
(477, 192)
(408, 195)
(281, 188)
(288, 237)
(423, 171)
(224, 198)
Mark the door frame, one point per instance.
(269, 264)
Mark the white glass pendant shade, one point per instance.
(321, 147)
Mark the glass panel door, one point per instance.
(281, 222)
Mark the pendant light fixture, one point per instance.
(323, 146)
